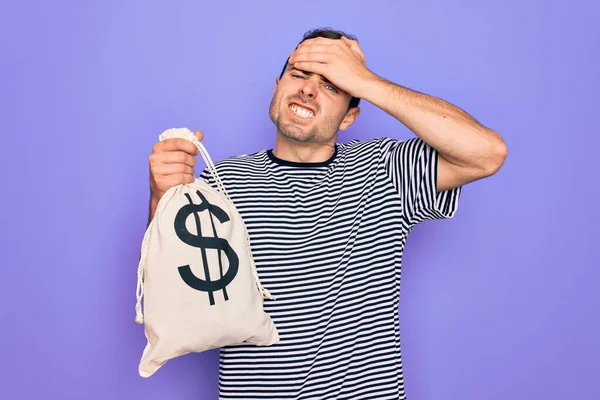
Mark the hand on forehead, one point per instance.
(339, 61)
(326, 45)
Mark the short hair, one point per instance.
(329, 34)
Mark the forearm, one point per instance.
(457, 136)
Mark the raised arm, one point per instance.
(467, 150)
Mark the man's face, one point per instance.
(307, 108)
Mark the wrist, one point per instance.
(371, 88)
(154, 199)
(152, 206)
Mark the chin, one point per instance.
(297, 134)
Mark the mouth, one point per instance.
(301, 111)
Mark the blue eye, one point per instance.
(332, 87)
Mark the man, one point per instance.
(328, 221)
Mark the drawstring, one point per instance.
(187, 134)
(139, 317)
(202, 150)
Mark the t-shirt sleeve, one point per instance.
(412, 166)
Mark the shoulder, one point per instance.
(387, 146)
(244, 161)
(235, 166)
(369, 148)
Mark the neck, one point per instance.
(303, 152)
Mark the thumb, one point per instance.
(199, 135)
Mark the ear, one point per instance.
(350, 117)
(276, 84)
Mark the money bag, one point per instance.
(196, 274)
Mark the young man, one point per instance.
(328, 222)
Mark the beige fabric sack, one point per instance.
(196, 274)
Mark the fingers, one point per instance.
(329, 45)
(315, 48)
(318, 40)
(172, 163)
(353, 44)
(311, 66)
(168, 181)
(172, 157)
(165, 175)
(311, 56)
(172, 169)
(175, 144)
(322, 46)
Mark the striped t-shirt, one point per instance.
(327, 239)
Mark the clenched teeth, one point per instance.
(301, 111)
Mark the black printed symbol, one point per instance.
(204, 243)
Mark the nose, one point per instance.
(310, 88)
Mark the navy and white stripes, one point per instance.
(327, 239)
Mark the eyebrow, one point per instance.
(292, 68)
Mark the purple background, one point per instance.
(499, 302)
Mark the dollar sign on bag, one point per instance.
(203, 243)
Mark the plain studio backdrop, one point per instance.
(500, 302)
